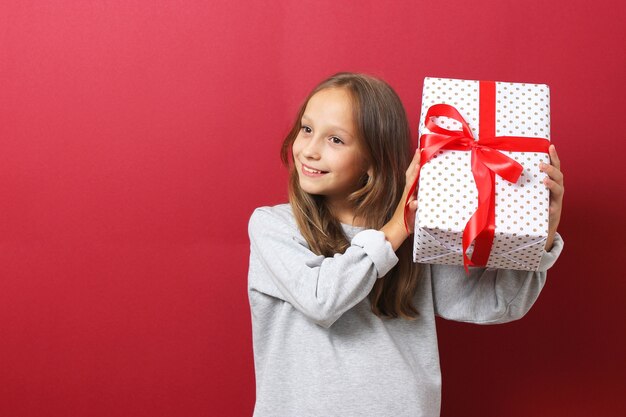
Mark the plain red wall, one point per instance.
(136, 137)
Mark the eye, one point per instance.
(336, 140)
(306, 129)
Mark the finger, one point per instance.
(552, 171)
(412, 170)
(415, 161)
(417, 155)
(555, 210)
(556, 189)
(554, 157)
(412, 204)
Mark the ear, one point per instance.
(370, 171)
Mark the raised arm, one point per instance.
(489, 296)
(282, 266)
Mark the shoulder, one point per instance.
(272, 217)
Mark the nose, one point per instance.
(312, 148)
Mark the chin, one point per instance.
(308, 189)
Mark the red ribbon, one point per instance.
(486, 162)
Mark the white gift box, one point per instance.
(447, 194)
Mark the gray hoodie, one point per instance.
(319, 351)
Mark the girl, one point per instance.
(343, 320)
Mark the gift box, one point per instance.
(481, 198)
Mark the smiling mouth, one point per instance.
(312, 171)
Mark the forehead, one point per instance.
(332, 106)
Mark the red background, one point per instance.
(136, 137)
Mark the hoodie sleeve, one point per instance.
(487, 295)
(321, 288)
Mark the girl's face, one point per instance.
(327, 154)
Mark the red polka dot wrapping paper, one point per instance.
(447, 195)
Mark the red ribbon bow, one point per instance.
(486, 162)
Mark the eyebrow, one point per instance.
(304, 116)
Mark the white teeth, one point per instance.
(313, 171)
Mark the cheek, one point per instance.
(348, 168)
(297, 146)
(359, 163)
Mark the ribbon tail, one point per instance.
(484, 241)
(479, 222)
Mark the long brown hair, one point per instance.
(382, 126)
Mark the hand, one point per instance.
(554, 182)
(394, 230)
(411, 175)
